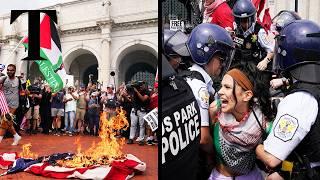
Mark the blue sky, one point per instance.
(7, 5)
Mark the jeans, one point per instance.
(137, 118)
(69, 118)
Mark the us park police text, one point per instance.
(178, 130)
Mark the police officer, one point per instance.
(210, 47)
(180, 136)
(282, 19)
(251, 40)
(173, 39)
(293, 144)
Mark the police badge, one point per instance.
(254, 38)
(286, 127)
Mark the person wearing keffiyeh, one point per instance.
(240, 118)
(218, 12)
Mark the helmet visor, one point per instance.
(177, 41)
(226, 56)
(244, 23)
(279, 53)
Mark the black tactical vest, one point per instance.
(249, 49)
(310, 145)
(180, 130)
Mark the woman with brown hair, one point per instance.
(240, 117)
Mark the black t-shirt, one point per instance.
(34, 101)
(137, 103)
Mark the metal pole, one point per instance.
(28, 66)
(15, 48)
(296, 6)
(114, 81)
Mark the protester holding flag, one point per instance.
(10, 89)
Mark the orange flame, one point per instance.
(108, 149)
(26, 153)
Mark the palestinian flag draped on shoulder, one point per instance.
(50, 49)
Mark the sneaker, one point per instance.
(139, 139)
(130, 141)
(149, 142)
(16, 141)
(141, 143)
(70, 134)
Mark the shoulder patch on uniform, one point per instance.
(286, 127)
(203, 95)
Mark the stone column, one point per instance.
(12, 50)
(104, 65)
(105, 62)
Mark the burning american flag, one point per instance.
(103, 160)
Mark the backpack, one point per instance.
(180, 128)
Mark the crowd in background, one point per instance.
(77, 110)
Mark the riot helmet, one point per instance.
(283, 18)
(173, 39)
(297, 52)
(244, 14)
(205, 41)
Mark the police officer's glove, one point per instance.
(263, 64)
(275, 83)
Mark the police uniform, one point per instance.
(297, 112)
(255, 43)
(180, 124)
(202, 92)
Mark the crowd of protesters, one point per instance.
(72, 110)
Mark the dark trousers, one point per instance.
(93, 121)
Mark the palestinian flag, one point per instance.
(50, 49)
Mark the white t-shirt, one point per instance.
(70, 105)
(297, 112)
